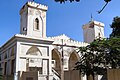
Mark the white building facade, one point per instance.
(31, 55)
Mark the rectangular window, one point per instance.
(0, 57)
(5, 68)
(12, 66)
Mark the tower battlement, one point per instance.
(34, 5)
(93, 30)
(37, 5)
(33, 19)
(93, 23)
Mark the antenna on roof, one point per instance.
(92, 17)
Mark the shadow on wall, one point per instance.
(72, 75)
(7, 77)
(29, 75)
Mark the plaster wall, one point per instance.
(89, 35)
(28, 16)
(99, 31)
(7, 55)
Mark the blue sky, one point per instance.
(65, 18)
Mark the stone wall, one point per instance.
(113, 74)
(72, 75)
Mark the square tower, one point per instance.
(33, 20)
(93, 30)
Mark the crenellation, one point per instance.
(36, 5)
(20, 35)
(68, 41)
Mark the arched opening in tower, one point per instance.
(74, 57)
(56, 61)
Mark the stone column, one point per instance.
(50, 63)
(45, 69)
(16, 76)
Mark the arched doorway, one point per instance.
(57, 60)
(74, 57)
(34, 64)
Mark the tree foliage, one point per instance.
(63, 1)
(92, 60)
(106, 3)
(115, 27)
(101, 54)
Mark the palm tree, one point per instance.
(115, 27)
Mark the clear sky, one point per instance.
(65, 18)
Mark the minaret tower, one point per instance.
(93, 30)
(33, 20)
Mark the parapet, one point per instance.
(99, 23)
(37, 5)
(34, 5)
(93, 23)
(58, 40)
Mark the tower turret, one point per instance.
(93, 30)
(33, 19)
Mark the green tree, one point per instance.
(101, 54)
(115, 27)
(92, 61)
(113, 52)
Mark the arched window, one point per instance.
(36, 24)
(98, 35)
(12, 66)
(34, 64)
(34, 51)
(12, 51)
(5, 55)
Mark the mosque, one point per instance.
(31, 55)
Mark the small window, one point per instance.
(36, 24)
(12, 51)
(5, 55)
(5, 68)
(12, 66)
(98, 34)
(53, 61)
(0, 58)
